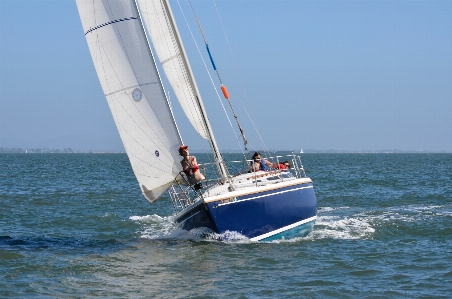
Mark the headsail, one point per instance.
(132, 86)
(167, 43)
(165, 40)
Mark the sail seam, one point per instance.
(109, 23)
(168, 59)
(125, 131)
(130, 87)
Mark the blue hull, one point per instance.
(280, 213)
(196, 217)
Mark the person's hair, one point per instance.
(182, 148)
(256, 154)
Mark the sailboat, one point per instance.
(260, 205)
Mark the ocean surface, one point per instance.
(77, 226)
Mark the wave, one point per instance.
(345, 223)
(157, 227)
(356, 223)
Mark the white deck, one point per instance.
(246, 184)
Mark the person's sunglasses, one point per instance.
(287, 165)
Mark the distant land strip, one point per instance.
(54, 151)
(4, 150)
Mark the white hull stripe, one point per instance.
(272, 233)
(266, 195)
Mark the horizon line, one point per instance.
(203, 151)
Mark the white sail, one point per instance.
(162, 31)
(166, 41)
(132, 86)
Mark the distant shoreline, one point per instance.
(54, 151)
(308, 151)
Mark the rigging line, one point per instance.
(240, 79)
(208, 72)
(223, 87)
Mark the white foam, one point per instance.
(146, 218)
(155, 226)
(341, 223)
(232, 237)
(336, 227)
(412, 213)
(346, 223)
(322, 210)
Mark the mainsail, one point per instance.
(132, 86)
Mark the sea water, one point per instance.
(77, 226)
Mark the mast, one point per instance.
(210, 136)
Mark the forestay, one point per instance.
(132, 86)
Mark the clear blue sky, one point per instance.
(341, 75)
